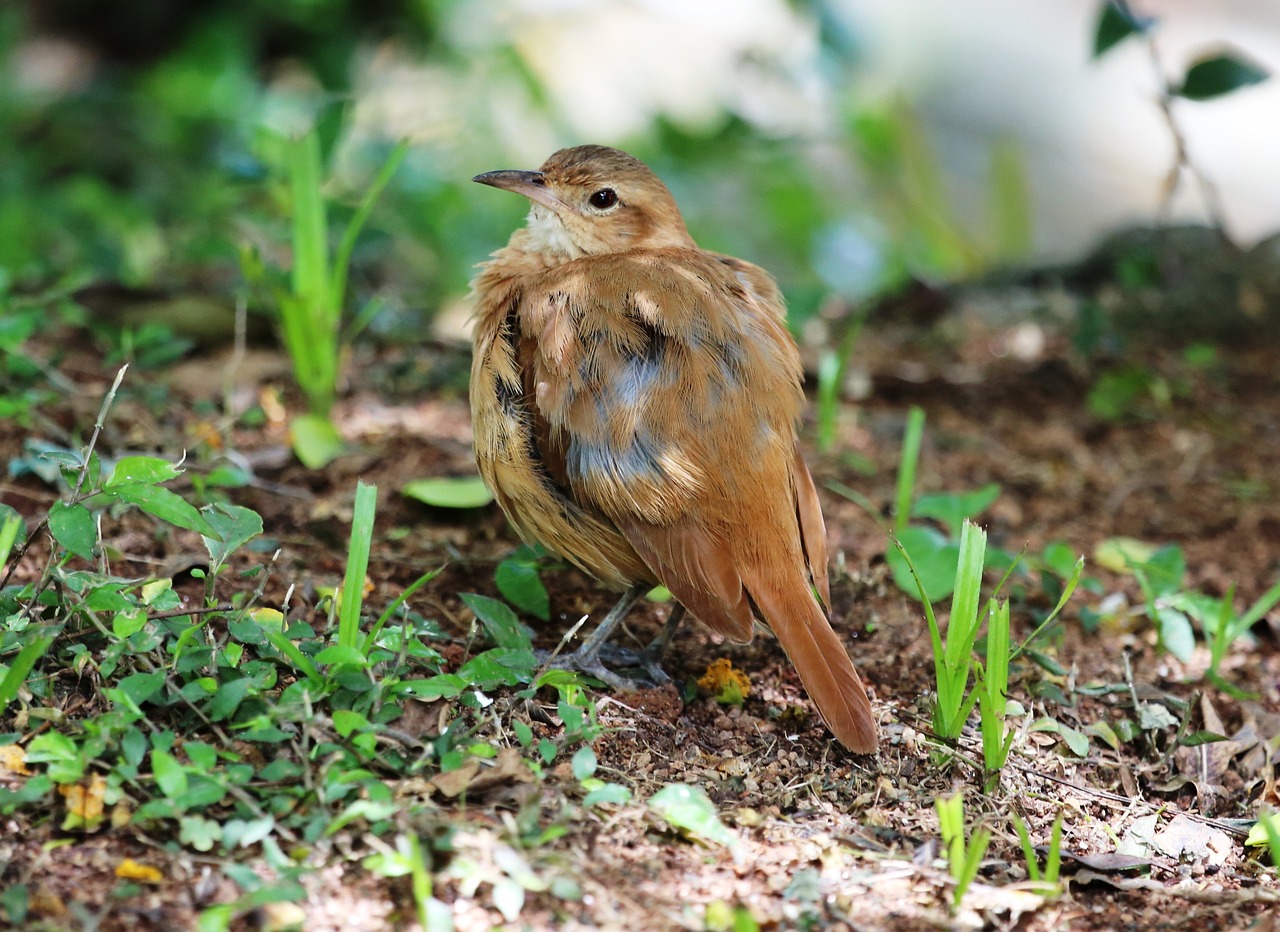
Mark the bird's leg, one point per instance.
(587, 658)
(651, 656)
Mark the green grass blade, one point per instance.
(21, 668)
(310, 224)
(301, 662)
(1067, 592)
(996, 676)
(907, 466)
(935, 636)
(1054, 862)
(342, 259)
(962, 629)
(863, 502)
(973, 855)
(1259, 608)
(1028, 849)
(366, 507)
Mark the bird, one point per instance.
(635, 404)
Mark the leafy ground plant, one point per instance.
(963, 857)
(1046, 879)
(953, 652)
(311, 308)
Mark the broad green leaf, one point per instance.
(952, 509)
(690, 809)
(1165, 570)
(161, 503)
(124, 624)
(935, 559)
(73, 527)
(499, 667)
(1216, 75)
(518, 581)
(346, 721)
(499, 621)
(444, 686)
(316, 442)
(464, 492)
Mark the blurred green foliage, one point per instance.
(134, 155)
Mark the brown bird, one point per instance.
(635, 401)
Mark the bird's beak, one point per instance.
(532, 185)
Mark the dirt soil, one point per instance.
(823, 839)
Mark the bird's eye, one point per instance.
(603, 199)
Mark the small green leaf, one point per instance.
(1197, 738)
(1104, 733)
(1152, 716)
(1216, 75)
(73, 527)
(584, 763)
(464, 492)
(614, 793)
(1176, 634)
(316, 442)
(198, 832)
(1116, 23)
(346, 721)
(337, 654)
(141, 470)
(231, 527)
(228, 698)
(1258, 835)
(140, 687)
(170, 775)
(690, 809)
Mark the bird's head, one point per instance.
(593, 200)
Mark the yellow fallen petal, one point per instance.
(129, 869)
(13, 759)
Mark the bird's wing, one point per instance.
(668, 391)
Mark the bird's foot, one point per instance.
(602, 663)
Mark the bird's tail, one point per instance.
(824, 666)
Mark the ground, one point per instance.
(817, 838)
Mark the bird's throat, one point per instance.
(547, 235)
